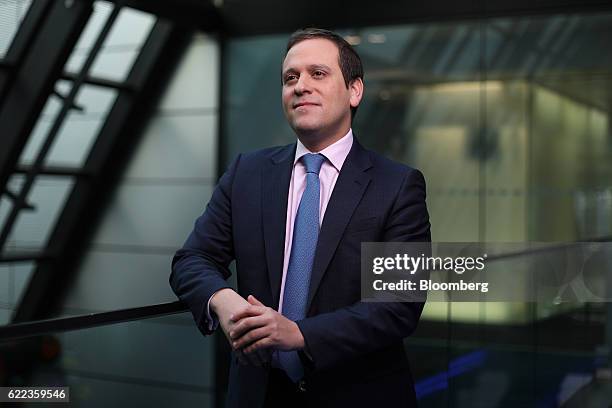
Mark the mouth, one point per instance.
(300, 104)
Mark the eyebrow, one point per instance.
(319, 66)
(312, 67)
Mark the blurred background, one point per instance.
(118, 117)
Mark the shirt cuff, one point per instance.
(212, 321)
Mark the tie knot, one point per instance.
(313, 162)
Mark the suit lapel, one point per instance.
(350, 186)
(276, 175)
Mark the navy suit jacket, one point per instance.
(356, 354)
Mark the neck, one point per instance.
(317, 142)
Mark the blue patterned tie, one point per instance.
(305, 236)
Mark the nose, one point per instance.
(302, 86)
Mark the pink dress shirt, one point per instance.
(336, 155)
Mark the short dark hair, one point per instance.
(348, 59)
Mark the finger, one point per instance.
(248, 311)
(259, 345)
(246, 324)
(253, 300)
(250, 337)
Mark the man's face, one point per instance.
(316, 100)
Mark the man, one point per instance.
(293, 218)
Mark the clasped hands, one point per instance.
(254, 330)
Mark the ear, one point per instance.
(356, 90)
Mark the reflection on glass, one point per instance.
(162, 361)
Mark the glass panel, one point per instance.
(36, 139)
(12, 13)
(181, 149)
(506, 157)
(6, 204)
(254, 96)
(132, 27)
(187, 92)
(6, 278)
(95, 100)
(134, 217)
(162, 361)
(79, 130)
(45, 121)
(14, 278)
(121, 47)
(101, 11)
(114, 65)
(5, 316)
(14, 185)
(13, 281)
(22, 273)
(572, 202)
(116, 277)
(47, 195)
(110, 65)
(74, 141)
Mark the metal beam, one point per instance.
(59, 171)
(106, 161)
(197, 14)
(34, 80)
(54, 326)
(22, 256)
(280, 16)
(89, 80)
(246, 17)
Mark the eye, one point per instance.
(318, 74)
(290, 77)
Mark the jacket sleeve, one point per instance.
(338, 336)
(200, 268)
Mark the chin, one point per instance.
(306, 127)
(308, 132)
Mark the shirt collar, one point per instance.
(336, 152)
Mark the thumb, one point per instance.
(253, 300)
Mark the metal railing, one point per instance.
(41, 327)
